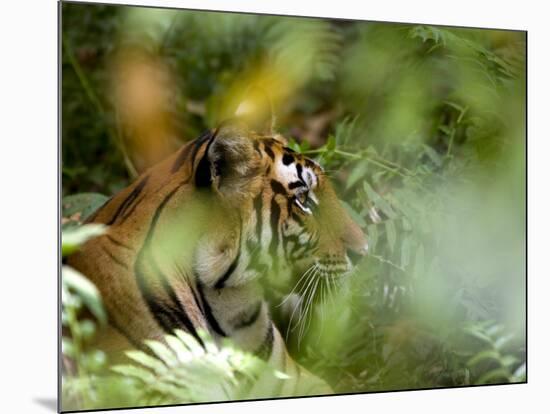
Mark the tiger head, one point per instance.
(290, 220)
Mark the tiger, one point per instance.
(191, 241)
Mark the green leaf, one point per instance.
(86, 290)
(455, 106)
(372, 235)
(481, 336)
(135, 372)
(495, 329)
(520, 373)
(508, 360)
(162, 351)
(82, 205)
(492, 376)
(502, 341)
(74, 237)
(345, 131)
(434, 156)
(357, 173)
(391, 234)
(331, 143)
(354, 215)
(378, 201)
(146, 360)
(296, 146)
(181, 351)
(445, 129)
(484, 356)
(190, 342)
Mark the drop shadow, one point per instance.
(49, 403)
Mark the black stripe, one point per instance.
(269, 152)
(287, 159)
(117, 243)
(258, 201)
(277, 187)
(197, 300)
(131, 210)
(175, 305)
(299, 170)
(208, 311)
(265, 349)
(113, 257)
(99, 209)
(292, 238)
(165, 315)
(256, 146)
(182, 157)
(128, 200)
(203, 173)
(296, 184)
(289, 203)
(275, 216)
(197, 144)
(221, 281)
(252, 318)
(169, 315)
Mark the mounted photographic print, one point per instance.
(263, 207)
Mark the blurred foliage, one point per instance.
(421, 128)
(183, 371)
(180, 371)
(79, 295)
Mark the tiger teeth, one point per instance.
(302, 207)
(313, 198)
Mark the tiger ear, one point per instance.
(229, 162)
(256, 110)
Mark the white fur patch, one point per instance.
(288, 174)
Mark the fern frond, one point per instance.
(180, 370)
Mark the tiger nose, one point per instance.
(355, 254)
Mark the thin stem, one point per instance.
(96, 103)
(90, 94)
(451, 141)
(364, 155)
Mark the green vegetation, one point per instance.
(421, 129)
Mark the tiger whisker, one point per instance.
(322, 295)
(304, 297)
(309, 275)
(297, 308)
(308, 270)
(305, 319)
